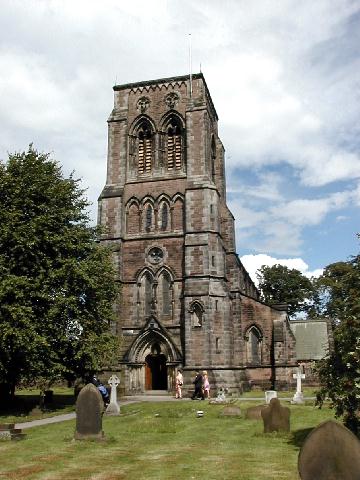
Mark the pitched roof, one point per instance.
(312, 342)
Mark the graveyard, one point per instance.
(166, 440)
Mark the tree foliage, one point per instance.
(339, 371)
(57, 285)
(280, 284)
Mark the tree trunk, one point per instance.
(7, 393)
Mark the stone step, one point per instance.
(157, 393)
(18, 436)
(6, 426)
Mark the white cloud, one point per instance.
(305, 212)
(277, 226)
(286, 93)
(253, 262)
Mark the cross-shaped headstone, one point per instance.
(298, 397)
(113, 407)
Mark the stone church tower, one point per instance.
(186, 300)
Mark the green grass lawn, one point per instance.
(174, 445)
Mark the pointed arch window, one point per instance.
(145, 148)
(166, 294)
(174, 145)
(148, 293)
(253, 345)
(213, 156)
(197, 315)
(148, 218)
(164, 216)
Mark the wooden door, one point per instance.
(148, 373)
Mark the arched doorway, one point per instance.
(155, 370)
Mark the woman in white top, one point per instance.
(178, 384)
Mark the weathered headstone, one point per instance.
(298, 397)
(231, 411)
(89, 409)
(330, 452)
(276, 418)
(113, 407)
(254, 413)
(269, 394)
(9, 432)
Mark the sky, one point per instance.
(284, 78)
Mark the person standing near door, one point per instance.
(178, 384)
(206, 384)
(199, 386)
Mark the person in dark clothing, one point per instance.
(103, 391)
(199, 387)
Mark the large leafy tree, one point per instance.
(339, 371)
(280, 284)
(57, 285)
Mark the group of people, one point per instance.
(201, 383)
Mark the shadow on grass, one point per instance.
(299, 436)
(22, 405)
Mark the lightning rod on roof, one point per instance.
(190, 65)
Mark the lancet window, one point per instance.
(166, 294)
(197, 315)
(148, 293)
(164, 216)
(148, 218)
(253, 347)
(174, 145)
(145, 148)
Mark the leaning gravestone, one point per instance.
(330, 452)
(254, 413)
(276, 418)
(231, 411)
(89, 409)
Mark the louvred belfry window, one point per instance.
(145, 150)
(174, 140)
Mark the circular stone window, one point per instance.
(155, 255)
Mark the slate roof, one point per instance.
(312, 342)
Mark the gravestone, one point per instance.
(89, 409)
(113, 407)
(231, 411)
(330, 452)
(254, 413)
(220, 396)
(276, 418)
(298, 397)
(269, 394)
(9, 432)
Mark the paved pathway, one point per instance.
(71, 416)
(127, 401)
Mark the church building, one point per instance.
(186, 300)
